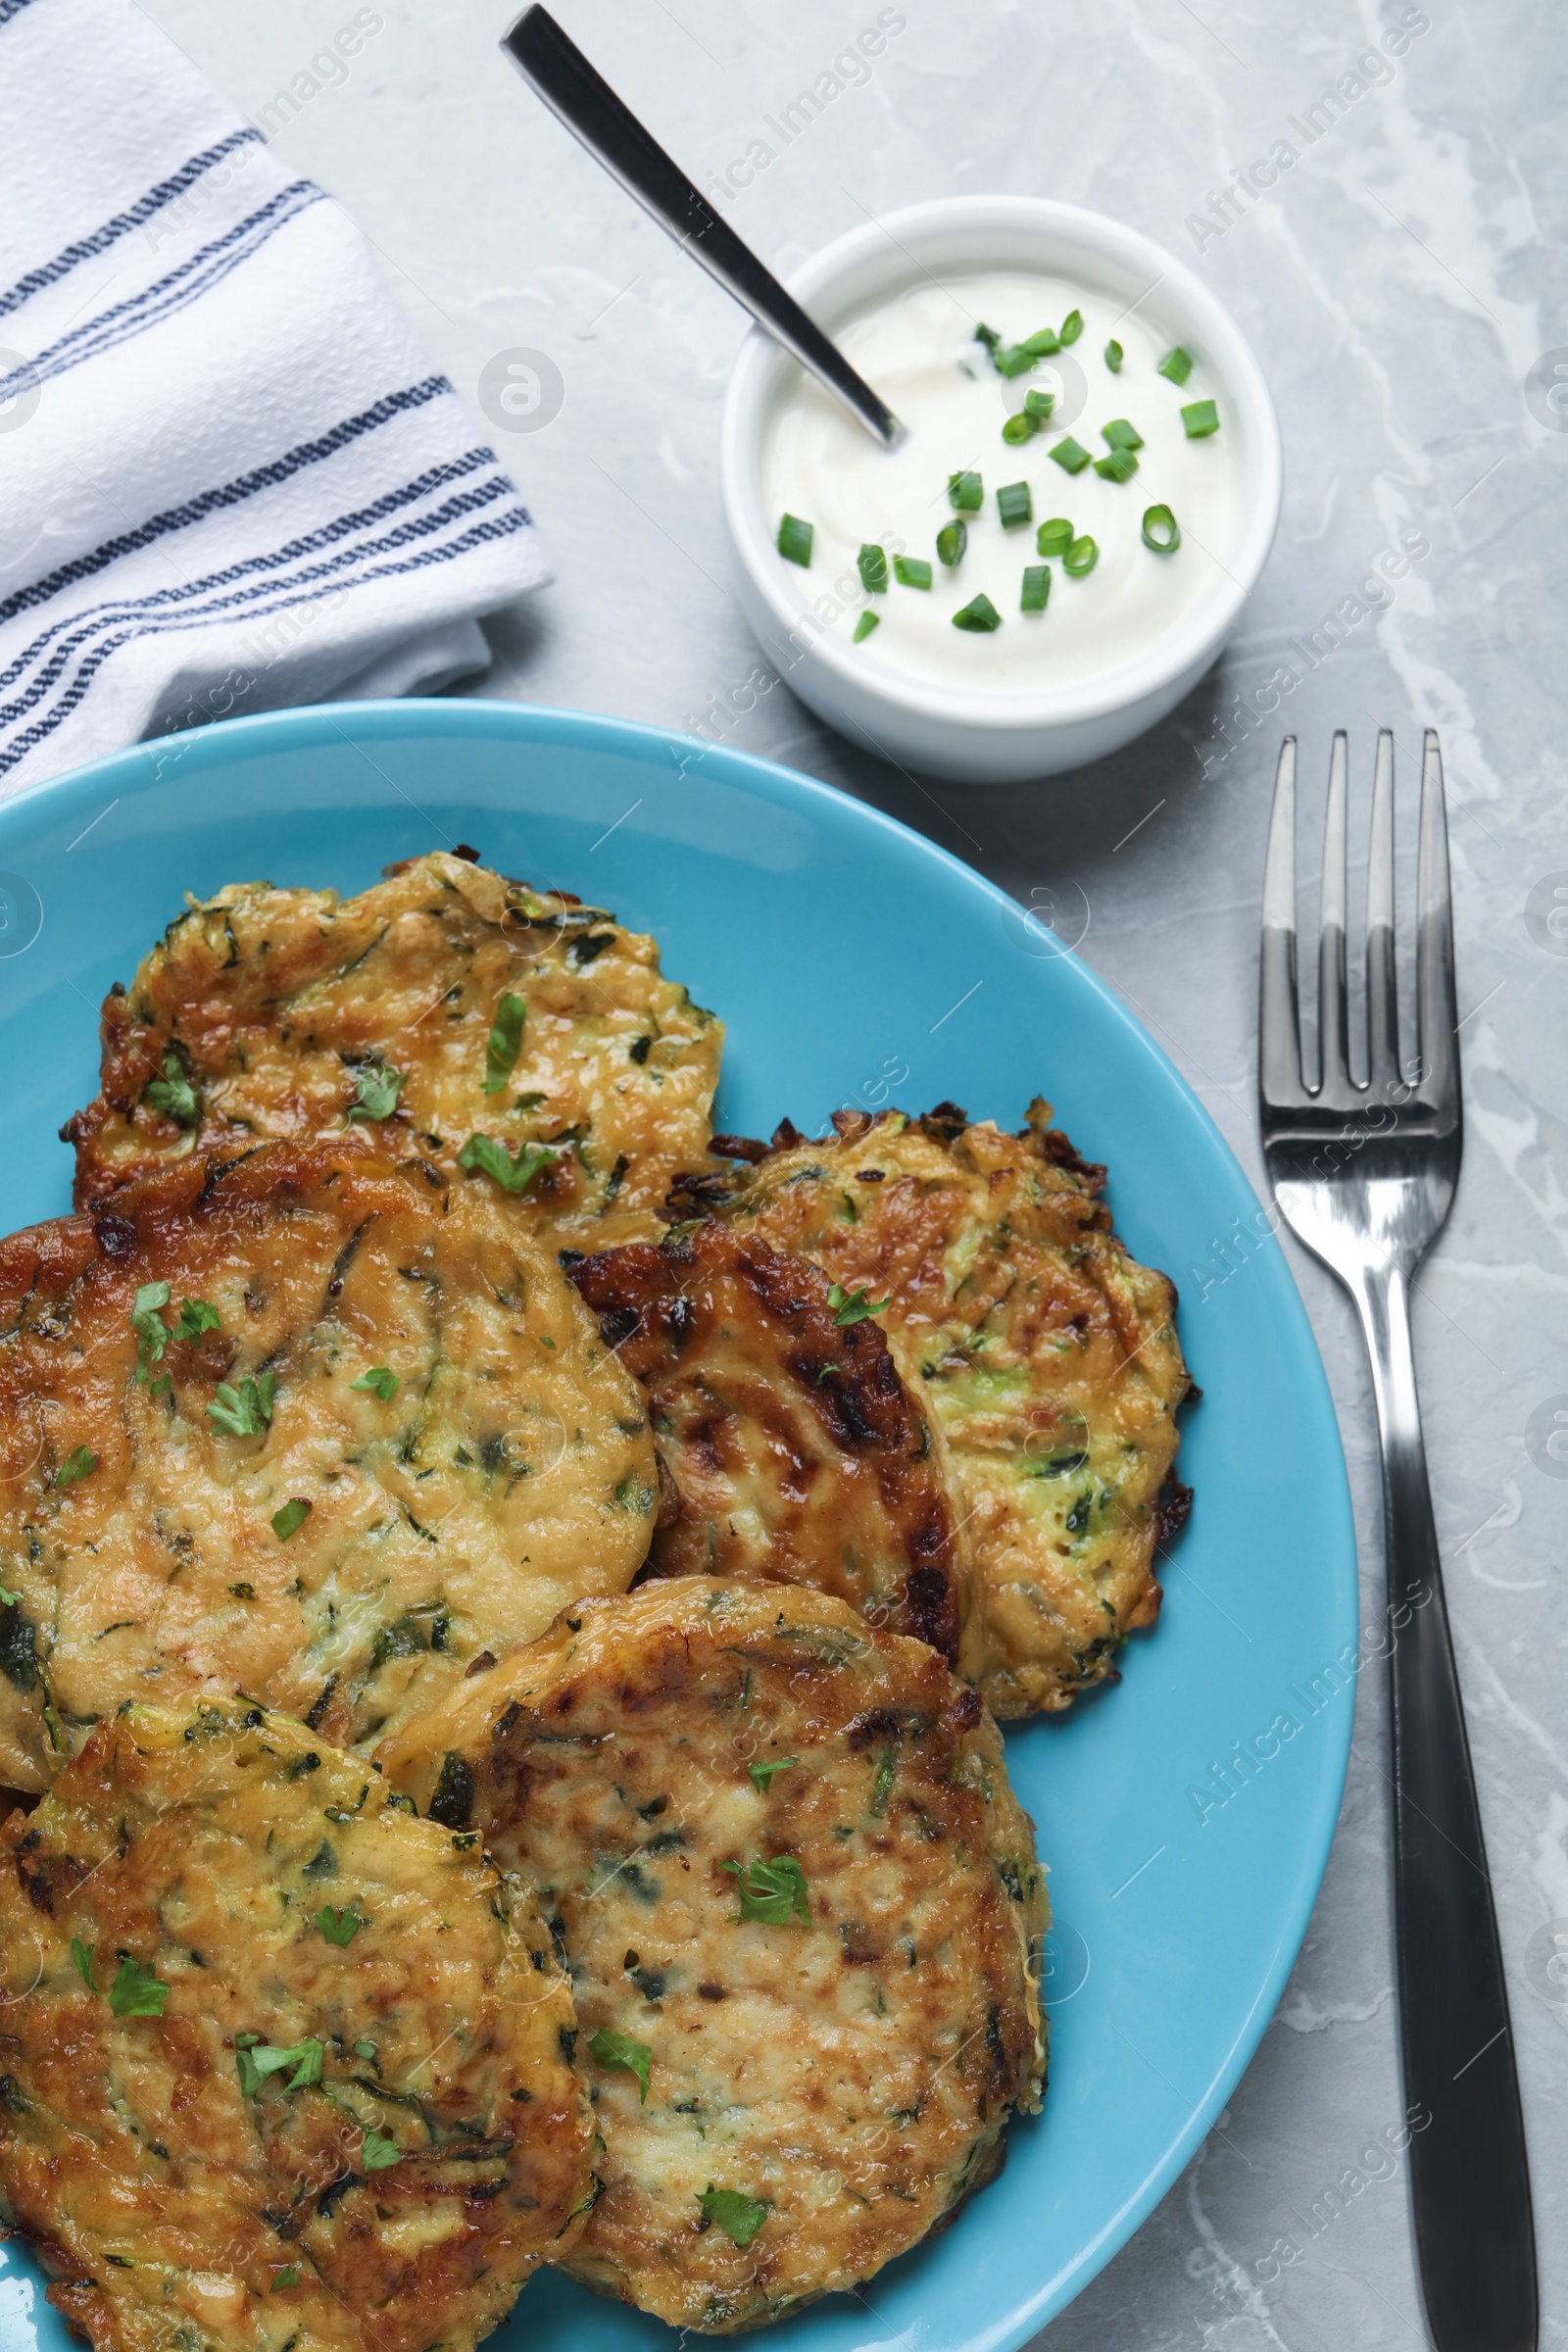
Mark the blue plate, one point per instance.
(1186, 1816)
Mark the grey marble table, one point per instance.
(1402, 278)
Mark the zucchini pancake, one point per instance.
(790, 1446)
(799, 1904)
(462, 1018)
(279, 2065)
(1046, 1354)
(303, 1424)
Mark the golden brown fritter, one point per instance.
(291, 1014)
(1047, 1355)
(183, 1374)
(791, 1447)
(278, 2063)
(796, 1894)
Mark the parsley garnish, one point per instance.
(620, 2050)
(852, 1306)
(288, 2276)
(739, 2216)
(761, 1775)
(378, 2154)
(147, 1322)
(339, 1927)
(512, 1175)
(174, 1094)
(136, 1991)
(771, 1891)
(83, 1956)
(195, 1318)
(77, 1465)
(376, 1094)
(504, 1043)
(377, 1382)
(9, 1599)
(291, 1518)
(243, 1411)
(256, 2060)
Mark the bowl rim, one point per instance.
(1199, 635)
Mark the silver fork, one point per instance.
(1365, 1173)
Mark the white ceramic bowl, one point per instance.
(996, 737)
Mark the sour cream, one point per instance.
(920, 352)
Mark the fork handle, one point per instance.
(1469, 2172)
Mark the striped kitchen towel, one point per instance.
(230, 479)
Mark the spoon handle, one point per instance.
(585, 102)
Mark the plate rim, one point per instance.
(138, 769)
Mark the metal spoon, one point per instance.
(587, 105)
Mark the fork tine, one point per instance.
(1278, 1023)
(1437, 998)
(1382, 997)
(1332, 1031)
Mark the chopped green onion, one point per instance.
(1014, 506)
(987, 335)
(952, 539)
(1119, 467)
(911, 572)
(1080, 559)
(865, 625)
(1016, 360)
(1070, 455)
(1200, 419)
(1176, 365)
(795, 540)
(1053, 538)
(1036, 588)
(981, 615)
(873, 568)
(1114, 355)
(1039, 404)
(966, 493)
(1161, 530)
(1018, 428)
(1073, 327)
(1120, 434)
(1041, 343)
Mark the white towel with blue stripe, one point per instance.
(230, 480)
